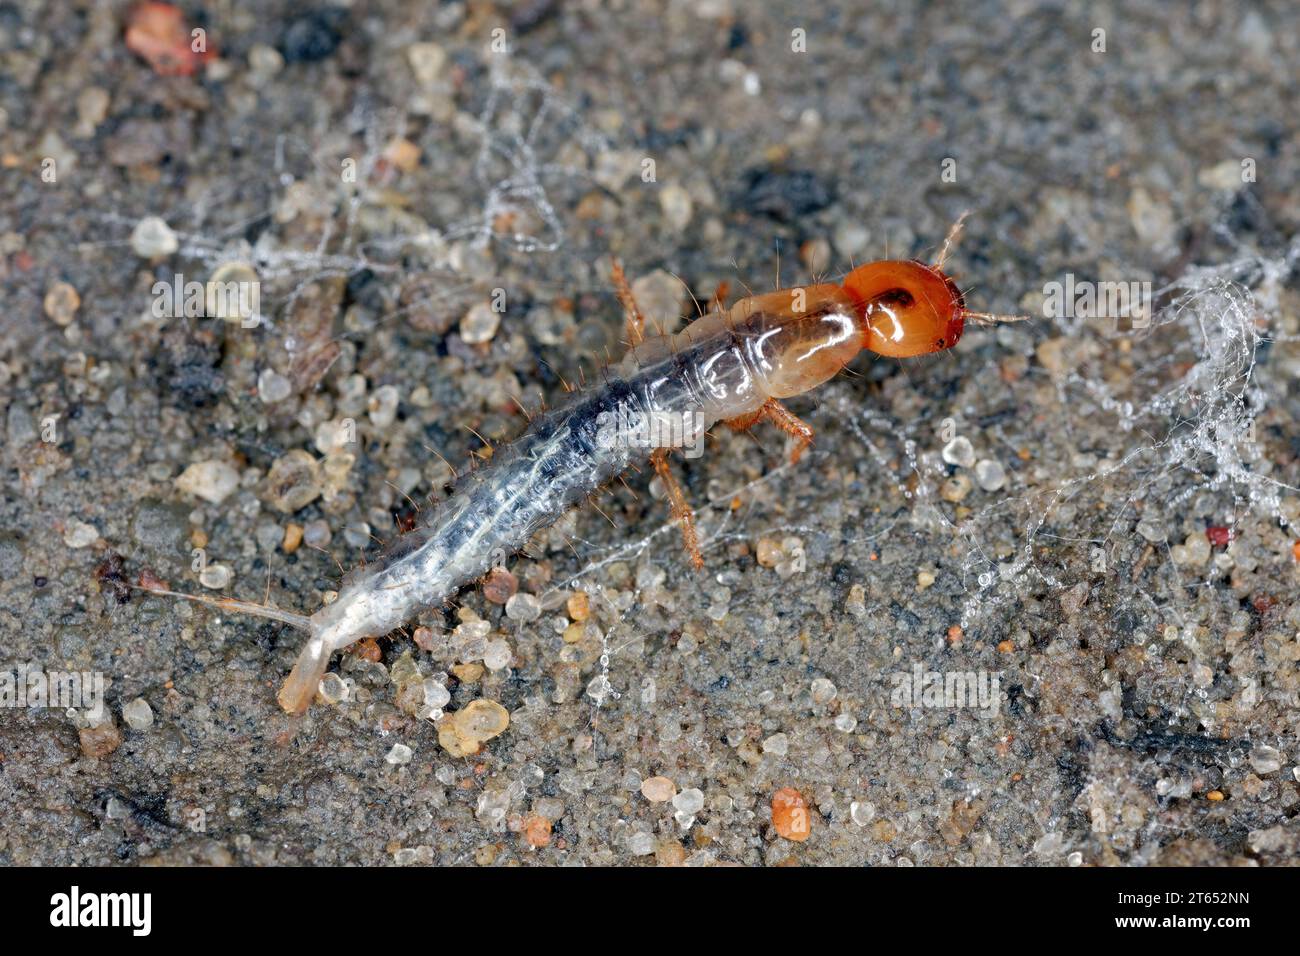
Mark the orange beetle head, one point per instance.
(907, 308)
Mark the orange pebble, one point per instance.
(537, 831)
(790, 814)
(579, 606)
(369, 650)
(499, 585)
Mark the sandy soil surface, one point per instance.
(1089, 518)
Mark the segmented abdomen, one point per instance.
(566, 454)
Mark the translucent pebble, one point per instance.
(265, 61)
(846, 723)
(272, 386)
(492, 806)
(1151, 531)
(232, 293)
(357, 534)
(794, 559)
(213, 480)
(480, 324)
(333, 688)
(862, 813)
(823, 691)
(1048, 845)
(79, 534)
(497, 655)
(294, 481)
(641, 843)
(1266, 759)
(138, 714)
(549, 808)
(404, 670)
(268, 535)
(677, 206)
(959, 452)
(405, 856)
(533, 776)
(1075, 859)
(117, 809)
(524, 608)
(427, 61)
(469, 631)
(152, 238)
(334, 434)
(599, 688)
(382, 406)
(650, 576)
(990, 474)
(400, 754)
(317, 534)
(435, 694)
(1196, 549)
(215, 577)
(689, 801)
(778, 745)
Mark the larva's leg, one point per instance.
(744, 423)
(791, 424)
(635, 318)
(681, 510)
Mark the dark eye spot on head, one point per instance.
(898, 298)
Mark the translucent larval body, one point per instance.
(724, 365)
(731, 365)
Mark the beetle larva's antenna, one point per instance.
(990, 318)
(950, 240)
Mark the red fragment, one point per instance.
(1219, 536)
(150, 581)
(157, 33)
